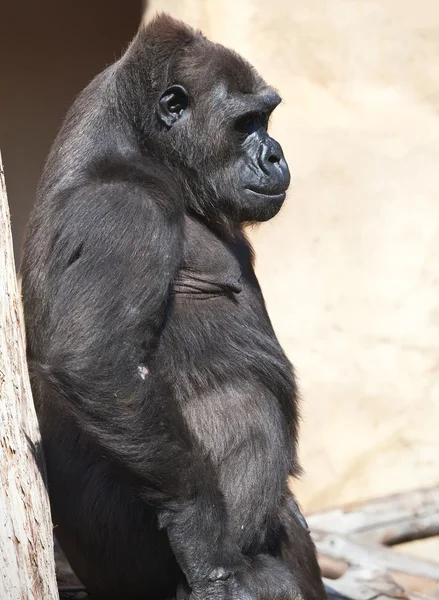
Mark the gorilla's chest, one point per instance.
(218, 324)
(221, 354)
(211, 267)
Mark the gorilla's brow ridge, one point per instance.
(263, 101)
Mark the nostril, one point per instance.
(269, 156)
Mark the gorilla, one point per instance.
(168, 410)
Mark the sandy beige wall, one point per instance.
(350, 268)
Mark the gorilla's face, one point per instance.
(219, 138)
(261, 172)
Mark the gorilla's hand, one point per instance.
(264, 578)
(231, 589)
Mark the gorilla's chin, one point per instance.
(259, 206)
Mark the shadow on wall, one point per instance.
(49, 52)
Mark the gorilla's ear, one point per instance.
(172, 104)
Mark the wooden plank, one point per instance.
(373, 557)
(390, 520)
(351, 539)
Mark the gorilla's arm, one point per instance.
(112, 267)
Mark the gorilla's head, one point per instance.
(204, 111)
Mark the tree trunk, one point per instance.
(27, 568)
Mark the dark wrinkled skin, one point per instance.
(167, 408)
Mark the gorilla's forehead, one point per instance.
(206, 64)
(224, 79)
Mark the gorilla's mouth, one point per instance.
(266, 195)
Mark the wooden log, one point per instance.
(27, 567)
(390, 520)
(373, 557)
(353, 543)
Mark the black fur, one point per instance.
(167, 408)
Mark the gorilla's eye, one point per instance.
(172, 104)
(251, 122)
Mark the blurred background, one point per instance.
(350, 268)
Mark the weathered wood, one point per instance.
(363, 584)
(373, 556)
(353, 544)
(391, 520)
(27, 568)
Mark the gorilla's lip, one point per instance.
(263, 194)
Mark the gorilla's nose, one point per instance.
(272, 162)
